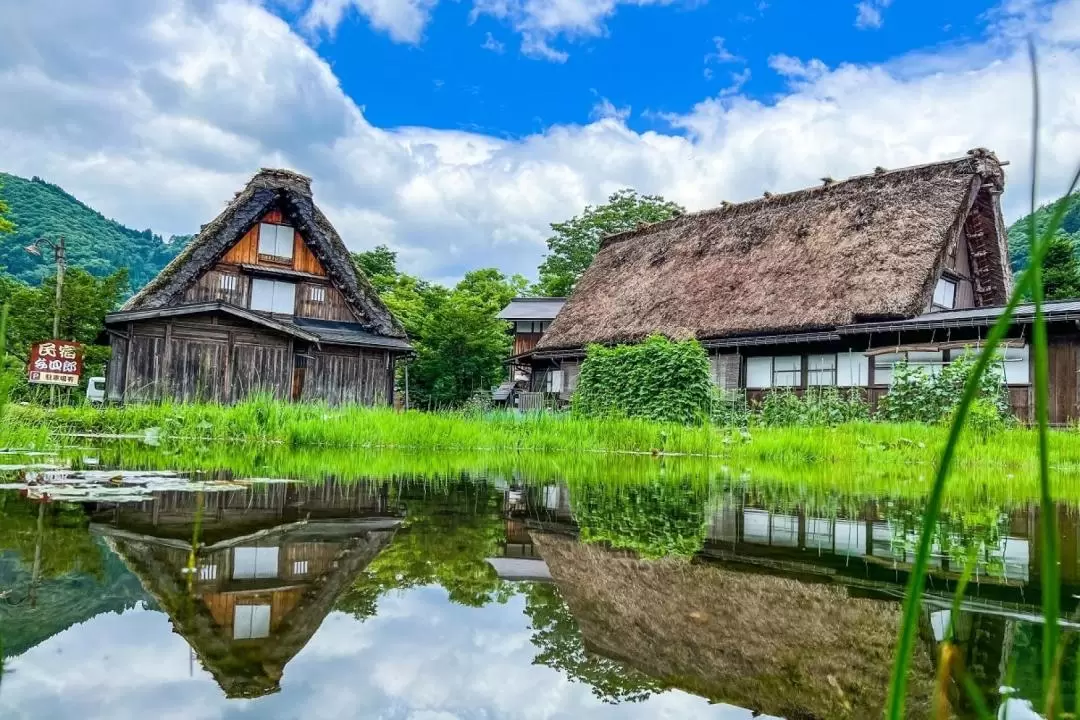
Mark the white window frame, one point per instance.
(300, 567)
(317, 293)
(254, 563)
(821, 370)
(945, 294)
(282, 296)
(1016, 362)
(276, 240)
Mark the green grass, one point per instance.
(863, 447)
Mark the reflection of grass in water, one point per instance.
(812, 485)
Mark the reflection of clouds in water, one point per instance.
(420, 658)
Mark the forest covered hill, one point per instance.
(1018, 231)
(94, 242)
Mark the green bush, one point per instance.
(657, 380)
(918, 396)
(818, 406)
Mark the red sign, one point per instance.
(56, 362)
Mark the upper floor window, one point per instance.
(276, 240)
(317, 293)
(530, 326)
(945, 294)
(273, 296)
(228, 283)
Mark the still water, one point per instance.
(477, 594)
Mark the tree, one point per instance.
(575, 242)
(1061, 271)
(379, 266)
(6, 226)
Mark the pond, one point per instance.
(137, 583)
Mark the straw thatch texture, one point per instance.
(865, 248)
(291, 193)
(769, 644)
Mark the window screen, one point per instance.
(1017, 365)
(787, 371)
(251, 621)
(821, 370)
(852, 370)
(758, 372)
(254, 562)
(317, 294)
(883, 367)
(276, 240)
(273, 296)
(945, 294)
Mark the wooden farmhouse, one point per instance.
(827, 286)
(528, 318)
(265, 299)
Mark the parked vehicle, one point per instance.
(95, 390)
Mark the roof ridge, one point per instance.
(974, 155)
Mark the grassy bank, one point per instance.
(886, 455)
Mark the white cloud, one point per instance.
(869, 13)
(403, 20)
(540, 22)
(606, 110)
(720, 53)
(490, 43)
(156, 111)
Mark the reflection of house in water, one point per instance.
(518, 558)
(270, 564)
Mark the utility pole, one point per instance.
(59, 253)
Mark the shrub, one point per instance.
(918, 396)
(657, 380)
(818, 406)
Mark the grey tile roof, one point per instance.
(1059, 309)
(343, 333)
(532, 308)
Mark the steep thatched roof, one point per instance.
(291, 193)
(769, 644)
(864, 248)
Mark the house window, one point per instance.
(945, 294)
(273, 296)
(254, 562)
(530, 326)
(931, 363)
(251, 621)
(276, 240)
(299, 567)
(787, 371)
(758, 372)
(228, 283)
(208, 572)
(555, 381)
(1017, 364)
(852, 370)
(317, 294)
(821, 370)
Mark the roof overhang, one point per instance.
(223, 308)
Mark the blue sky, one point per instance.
(456, 131)
(655, 60)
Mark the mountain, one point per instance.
(93, 242)
(1018, 231)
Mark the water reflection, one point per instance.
(496, 597)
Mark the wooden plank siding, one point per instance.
(209, 287)
(332, 307)
(246, 250)
(525, 342)
(349, 375)
(958, 262)
(1062, 359)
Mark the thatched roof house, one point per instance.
(265, 299)
(773, 645)
(867, 248)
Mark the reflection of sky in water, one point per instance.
(421, 658)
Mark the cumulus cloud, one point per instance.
(868, 14)
(156, 111)
(403, 20)
(490, 43)
(541, 22)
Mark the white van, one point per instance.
(95, 390)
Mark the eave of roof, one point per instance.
(538, 308)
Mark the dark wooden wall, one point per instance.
(1062, 356)
(217, 360)
(208, 287)
(333, 306)
(959, 262)
(525, 342)
(344, 375)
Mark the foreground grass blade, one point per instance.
(913, 597)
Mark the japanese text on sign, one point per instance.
(56, 362)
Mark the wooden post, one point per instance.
(127, 362)
(164, 388)
(407, 385)
(227, 370)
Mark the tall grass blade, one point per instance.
(916, 585)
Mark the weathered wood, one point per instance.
(333, 305)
